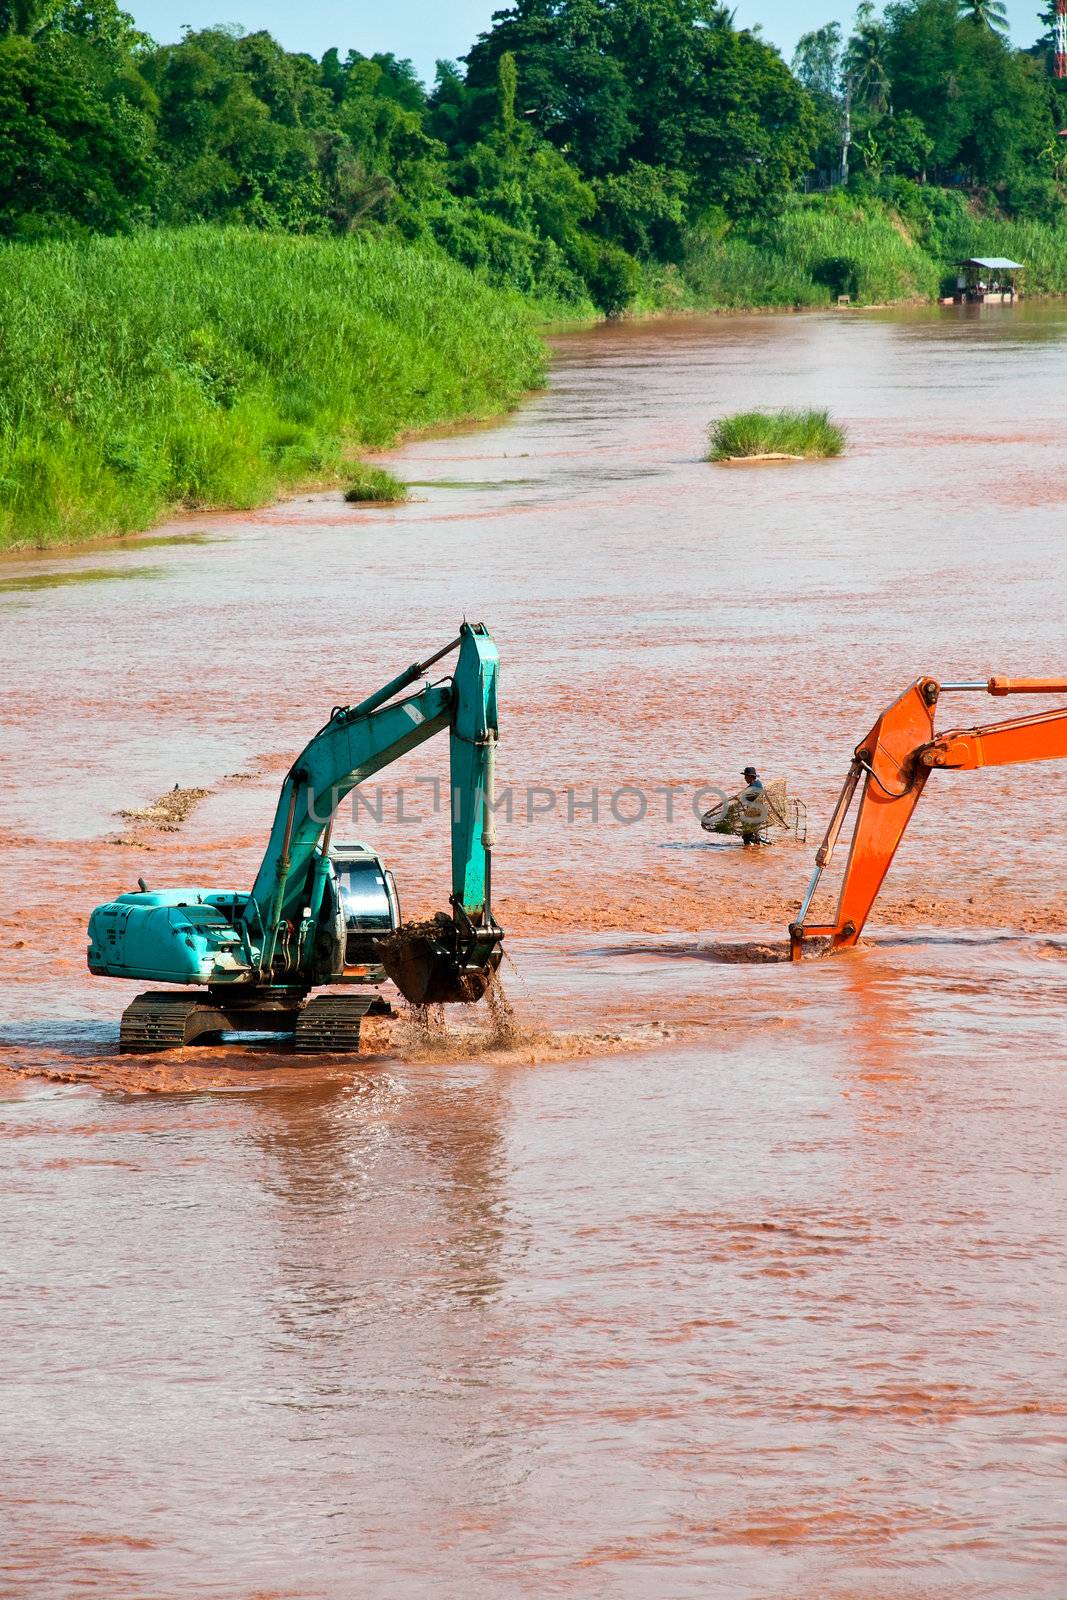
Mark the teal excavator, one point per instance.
(324, 914)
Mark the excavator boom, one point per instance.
(891, 767)
(359, 741)
(1041, 737)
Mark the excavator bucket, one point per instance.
(443, 962)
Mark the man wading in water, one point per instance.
(753, 807)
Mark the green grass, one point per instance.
(374, 484)
(897, 249)
(810, 434)
(1041, 247)
(732, 274)
(208, 367)
(860, 250)
(820, 247)
(824, 246)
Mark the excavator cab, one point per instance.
(367, 903)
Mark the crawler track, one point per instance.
(164, 1019)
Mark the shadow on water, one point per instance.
(1017, 941)
(701, 844)
(472, 483)
(86, 1039)
(770, 952)
(76, 1038)
(63, 580)
(722, 952)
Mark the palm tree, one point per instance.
(865, 72)
(991, 14)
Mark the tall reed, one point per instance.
(208, 367)
(819, 248)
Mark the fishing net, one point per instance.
(774, 813)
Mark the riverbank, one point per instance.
(209, 368)
(897, 247)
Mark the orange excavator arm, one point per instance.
(890, 768)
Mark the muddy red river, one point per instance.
(735, 1279)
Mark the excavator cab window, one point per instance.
(368, 902)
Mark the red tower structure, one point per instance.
(1061, 38)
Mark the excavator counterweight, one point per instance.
(890, 769)
(321, 913)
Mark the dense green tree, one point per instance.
(667, 83)
(388, 136)
(575, 87)
(26, 19)
(521, 178)
(644, 209)
(69, 159)
(865, 67)
(227, 156)
(457, 111)
(984, 106)
(515, 174)
(382, 76)
(817, 61)
(252, 133)
(907, 145)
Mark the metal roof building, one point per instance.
(987, 280)
(994, 263)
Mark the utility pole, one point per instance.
(846, 132)
(1061, 38)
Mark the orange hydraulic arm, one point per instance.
(891, 767)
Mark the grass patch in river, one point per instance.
(803, 435)
(375, 486)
